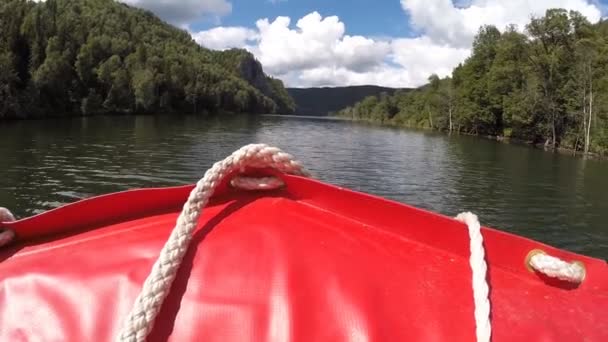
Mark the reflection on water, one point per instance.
(553, 198)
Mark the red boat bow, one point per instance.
(306, 262)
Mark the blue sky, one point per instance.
(363, 17)
(396, 43)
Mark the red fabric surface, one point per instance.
(311, 262)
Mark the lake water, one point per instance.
(557, 199)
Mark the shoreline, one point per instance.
(121, 115)
(500, 139)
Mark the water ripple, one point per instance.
(560, 200)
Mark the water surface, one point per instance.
(557, 199)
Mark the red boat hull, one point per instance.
(310, 262)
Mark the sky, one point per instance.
(395, 43)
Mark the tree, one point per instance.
(66, 54)
(8, 78)
(550, 86)
(431, 96)
(588, 44)
(509, 80)
(552, 52)
(92, 104)
(144, 89)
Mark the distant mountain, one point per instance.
(323, 101)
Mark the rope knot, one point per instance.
(554, 267)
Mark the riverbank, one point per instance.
(503, 88)
(202, 114)
(502, 139)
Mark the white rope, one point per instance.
(6, 215)
(540, 261)
(483, 327)
(6, 235)
(156, 287)
(557, 268)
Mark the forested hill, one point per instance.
(322, 101)
(547, 86)
(81, 57)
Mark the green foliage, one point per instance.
(83, 57)
(548, 86)
(8, 79)
(280, 95)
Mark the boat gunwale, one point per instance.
(113, 208)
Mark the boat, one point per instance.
(259, 251)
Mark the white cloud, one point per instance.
(315, 41)
(457, 25)
(221, 38)
(317, 52)
(183, 12)
(421, 57)
(312, 43)
(408, 63)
